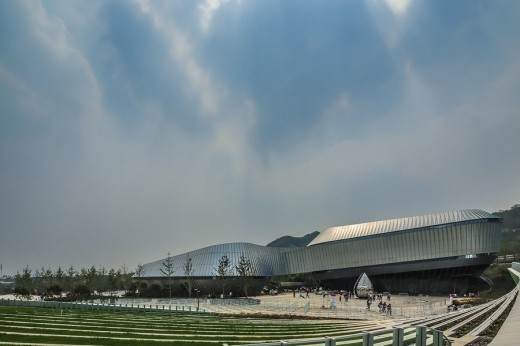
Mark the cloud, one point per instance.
(398, 7)
(181, 50)
(141, 133)
(390, 18)
(207, 10)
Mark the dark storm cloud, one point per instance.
(281, 49)
(138, 66)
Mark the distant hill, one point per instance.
(511, 234)
(288, 241)
(511, 218)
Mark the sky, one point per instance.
(134, 128)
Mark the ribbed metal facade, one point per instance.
(401, 224)
(265, 261)
(458, 238)
(467, 239)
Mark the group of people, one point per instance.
(384, 308)
(304, 293)
(452, 307)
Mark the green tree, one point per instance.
(23, 283)
(38, 280)
(245, 272)
(81, 278)
(47, 279)
(223, 272)
(167, 272)
(90, 277)
(59, 277)
(111, 281)
(124, 278)
(188, 274)
(70, 279)
(101, 283)
(81, 291)
(140, 270)
(54, 290)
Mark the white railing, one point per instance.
(419, 336)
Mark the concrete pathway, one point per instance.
(509, 333)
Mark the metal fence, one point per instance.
(97, 305)
(419, 336)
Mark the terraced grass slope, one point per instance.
(53, 326)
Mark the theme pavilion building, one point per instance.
(436, 253)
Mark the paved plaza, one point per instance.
(319, 306)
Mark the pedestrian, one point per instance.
(389, 309)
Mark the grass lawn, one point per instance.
(73, 327)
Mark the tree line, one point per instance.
(511, 235)
(77, 283)
(224, 273)
(87, 283)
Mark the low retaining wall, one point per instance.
(102, 306)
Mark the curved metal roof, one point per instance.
(265, 261)
(395, 225)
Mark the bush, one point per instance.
(54, 290)
(71, 298)
(24, 292)
(502, 281)
(81, 292)
(470, 301)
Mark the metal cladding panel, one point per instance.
(266, 261)
(451, 240)
(378, 227)
(460, 234)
